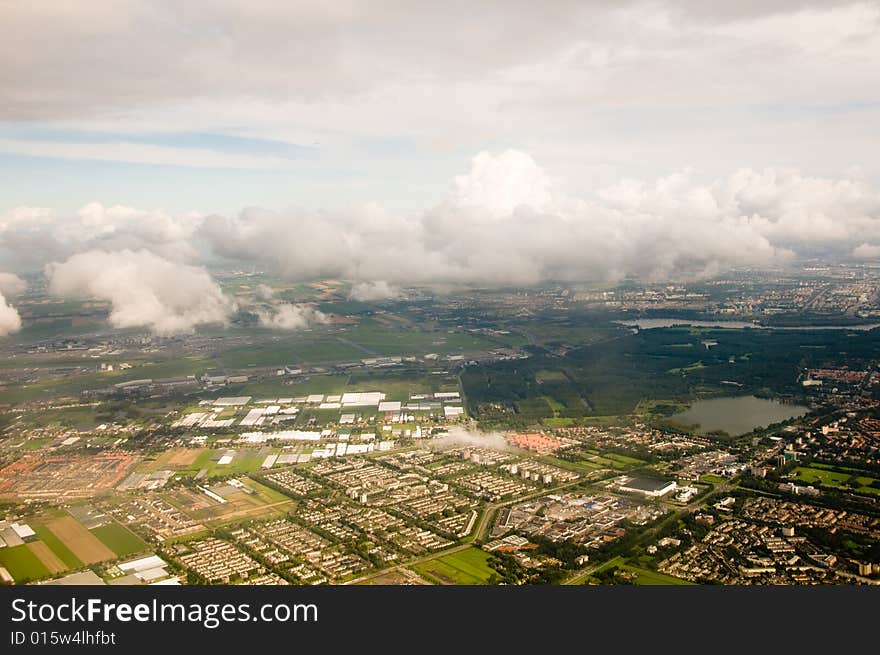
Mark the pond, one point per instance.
(736, 416)
(653, 323)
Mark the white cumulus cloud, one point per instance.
(144, 290)
(288, 316)
(378, 290)
(11, 284)
(10, 321)
(32, 236)
(505, 222)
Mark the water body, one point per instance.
(651, 323)
(737, 415)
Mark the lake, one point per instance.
(652, 323)
(737, 415)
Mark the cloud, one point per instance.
(108, 58)
(506, 222)
(291, 317)
(264, 291)
(497, 185)
(10, 321)
(11, 284)
(460, 437)
(32, 236)
(371, 291)
(143, 289)
(866, 251)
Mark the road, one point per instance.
(583, 574)
(480, 532)
(357, 346)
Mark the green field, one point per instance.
(297, 349)
(646, 577)
(550, 376)
(57, 546)
(266, 494)
(623, 459)
(466, 567)
(245, 461)
(643, 577)
(608, 460)
(119, 539)
(22, 564)
(837, 479)
(555, 422)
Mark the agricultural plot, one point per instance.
(238, 505)
(22, 563)
(243, 461)
(121, 540)
(49, 559)
(57, 546)
(177, 458)
(82, 543)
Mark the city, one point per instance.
(455, 440)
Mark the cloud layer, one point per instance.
(144, 290)
(505, 222)
(32, 236)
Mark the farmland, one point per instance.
(121, 540)
(22, 563)
(85, 545)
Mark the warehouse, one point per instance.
(647, 487)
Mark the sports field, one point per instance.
(465, 567)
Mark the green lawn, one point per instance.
(119, 539)
(265, 493)
(607, 460)
(466, 567)
(836, 479)
(57, 546)
(545, 375)
(22, 564)
(624, 459)
(557, 422)
(646, 577)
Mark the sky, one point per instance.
(214, 106)
(499, 140)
